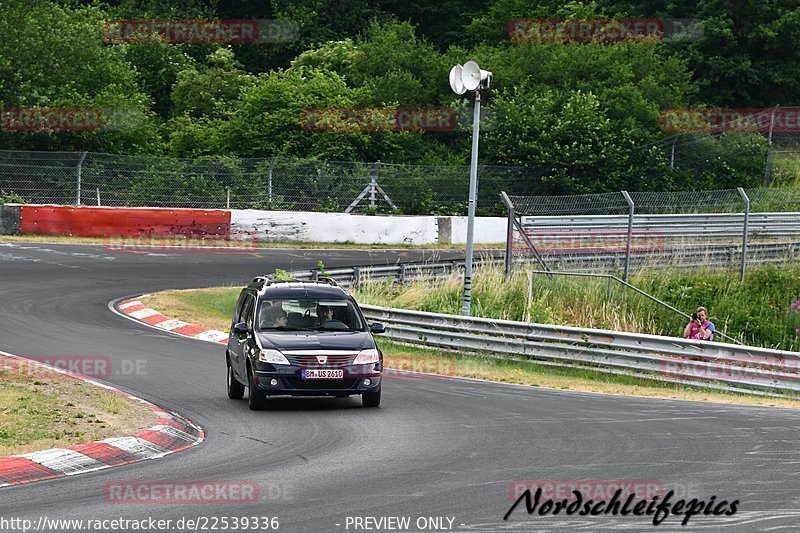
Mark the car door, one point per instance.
(239, 340)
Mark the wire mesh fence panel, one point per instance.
(603, 232)
(40, 177)
(258, 183)
(564, 230)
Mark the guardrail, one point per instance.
(677, 256)
(709, 255)
(713, 225)
(710, 365)
(400, 272)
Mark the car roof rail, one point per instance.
(328, 280)
(264, 280)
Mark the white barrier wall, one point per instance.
(296, 226)
(488, 230)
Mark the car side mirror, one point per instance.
(241, 329)
(377, 328)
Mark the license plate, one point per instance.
(321, 373)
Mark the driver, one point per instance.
(324, 313)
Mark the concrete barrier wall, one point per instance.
(249, 224)
(488, 230)
(122, 221)
(292, 226)
(9, 219)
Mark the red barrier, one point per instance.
(123, 221)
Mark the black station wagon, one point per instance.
(301, 338)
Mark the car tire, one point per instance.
(371, 399)
(256, 399)
(235, 389)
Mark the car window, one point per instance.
(238, 310)
(247, 311)
(311, 314)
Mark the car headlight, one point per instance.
(366, 357)
(272, 356)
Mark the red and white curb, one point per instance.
(134, 308)
(171, 434)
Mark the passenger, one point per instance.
(279, 318)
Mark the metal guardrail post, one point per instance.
(630, 232)
(78, 186)
(509, 232)
(746, 200)
(356, 277)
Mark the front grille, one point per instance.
(332, 384)
(310, 361)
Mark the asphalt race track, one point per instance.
(436, 448)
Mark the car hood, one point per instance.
(317, 340)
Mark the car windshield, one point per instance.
(308, 314)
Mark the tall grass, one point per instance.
(757, 311)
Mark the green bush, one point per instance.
(10, 198)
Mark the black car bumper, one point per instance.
(289, 381)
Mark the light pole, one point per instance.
(470, 77)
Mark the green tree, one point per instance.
(54, 56)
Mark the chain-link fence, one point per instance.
(269, 183)
(754, 146)
(623, 231)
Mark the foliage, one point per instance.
(583, 116)
(54, 56)
(10, 198)
(762, 311)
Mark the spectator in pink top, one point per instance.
(700, 327)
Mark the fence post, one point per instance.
(269, 179)
(227, 198)
(746, 200)
(98, 197)
(630, 232)
(509, 231)
(769, 145)
(78, 187)
(373, 183)
(672, 153)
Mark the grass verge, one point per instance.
(40, 409)
(206, 307)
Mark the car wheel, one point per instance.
(256, 399)
(235, 389)
(371, 399)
